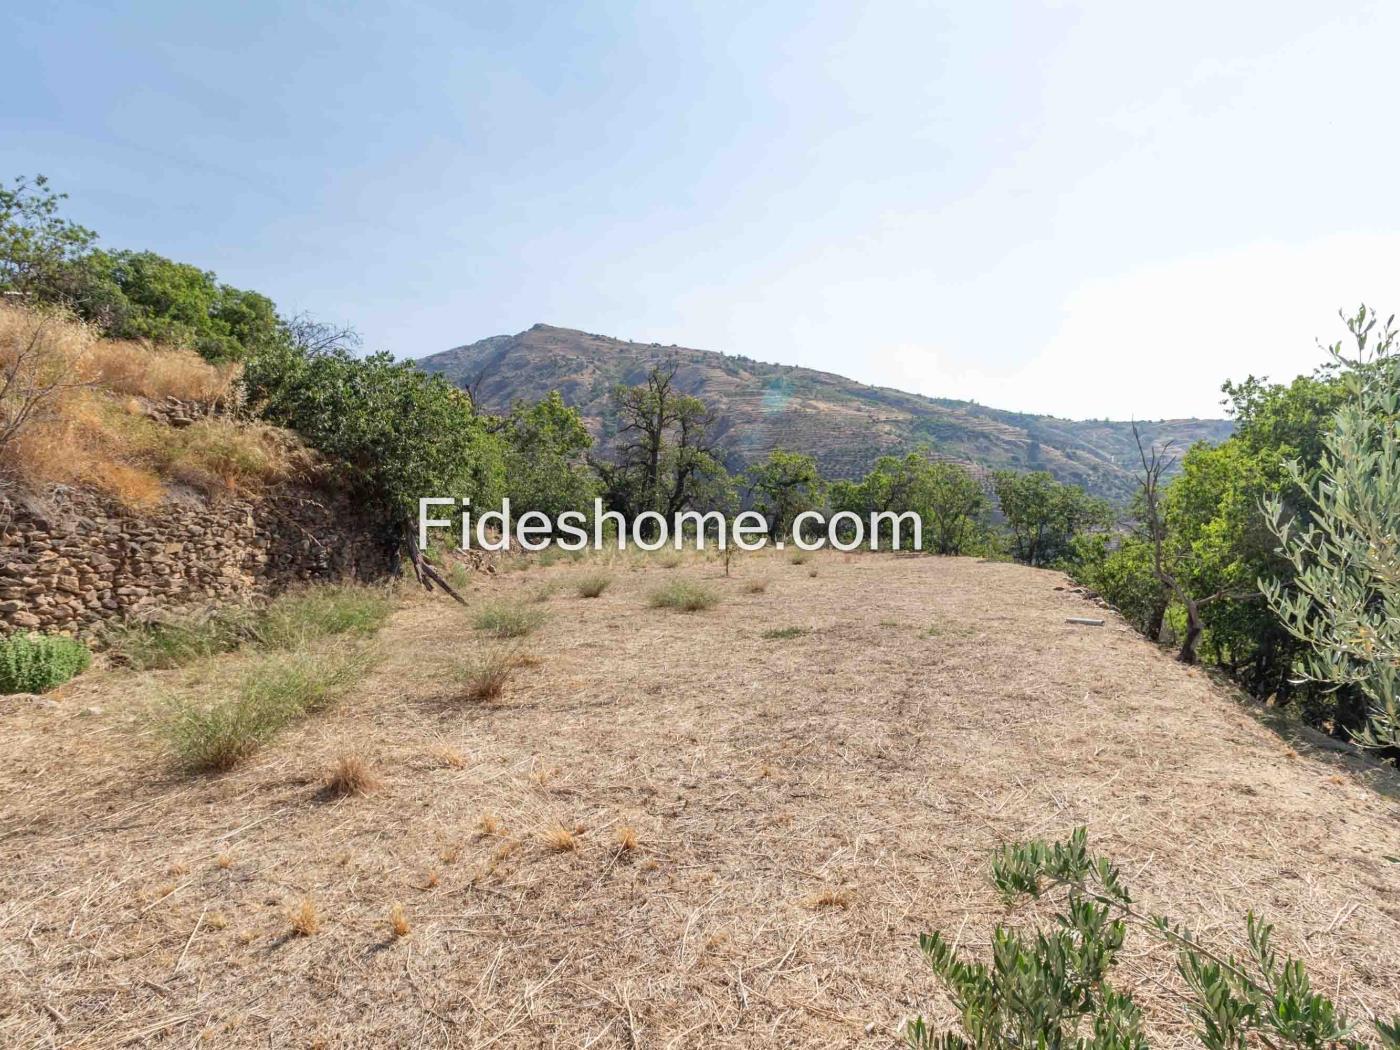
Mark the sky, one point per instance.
(1082, 209)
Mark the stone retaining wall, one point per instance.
(70, 558)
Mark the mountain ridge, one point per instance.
(843, 423)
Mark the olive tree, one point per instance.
(1344, 598)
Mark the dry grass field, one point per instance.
(669, 828)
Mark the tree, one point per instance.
(1343, 601)
(1043, 515)
(955, 510)
(783, 485)
(36, 243)
(399, 433)
(665, 460)
(1167, 557)
(544, 458)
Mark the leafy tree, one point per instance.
(129, 295)
(1043, 515)
(401, 433)
(1123, 576)
(784, 485)
(544, 458)
(1052, 988)
(665, 458)
(1343, 600)
(36, 243)
(946, 497)
(955, 509)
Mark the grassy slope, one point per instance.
(844, 423)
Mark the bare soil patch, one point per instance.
(668, 829)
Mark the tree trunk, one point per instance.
(1194, 627)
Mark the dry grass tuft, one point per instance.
(216, 920)
(684, 595)
(800, 557)
(451, 757)
(305, 920)
(488, 825)
(484, 676)
(827, 899)
(507, 620)
(398, 921)
(224, 861)
(560, 839)
(812, 571)
(593, 585)
(626, 838)
(431, 881)
(756, 586)
(351, 775)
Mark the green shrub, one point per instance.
(504, 620)
(35, 663)
(302, 616)
(175, 643)
(271, 695)
(684, 595)
(293, 620)
(1051, 987)
(593, 585)
(779, 633)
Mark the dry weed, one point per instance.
(560, 839)
(305, 920)
(398, 921)
(351, 775)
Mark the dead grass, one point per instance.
(893, 768)
(758, 586)
(560, 839)
(94, 430)
(305, 919)
(484, 676)
(626, 838)
(352, 775)
(398, 921)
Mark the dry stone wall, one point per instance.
(70, 559)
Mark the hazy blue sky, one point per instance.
(1085, 209)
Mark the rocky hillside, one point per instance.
(845, 424)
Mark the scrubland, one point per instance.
(96, 415)
(594, 810)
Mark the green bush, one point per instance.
(593, 585)
(35, 663)
(783, 633)
(503, 620)
(1051, 987)
(684, 595)
(271, 695)
(290, 621)
(302, 616)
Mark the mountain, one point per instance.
(844, 424)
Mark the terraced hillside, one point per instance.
(845, 424)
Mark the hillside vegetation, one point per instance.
(845, 425)
(128, 419)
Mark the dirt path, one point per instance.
(803, 807)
